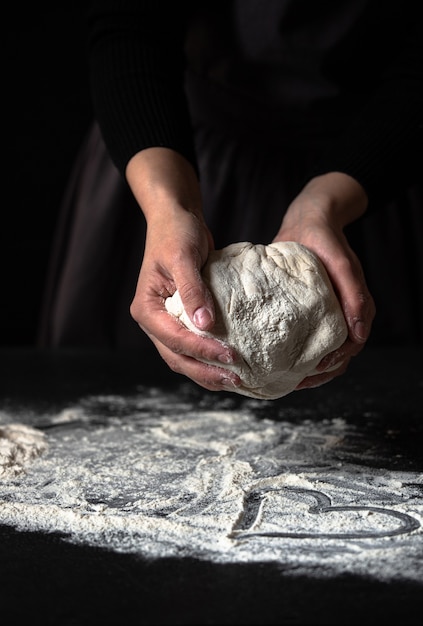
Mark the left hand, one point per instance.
(316, 218)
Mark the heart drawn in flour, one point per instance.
(320, 519)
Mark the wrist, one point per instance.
(163, 181)
(337, 196)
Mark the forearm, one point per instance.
(163, 182)
(335, 199)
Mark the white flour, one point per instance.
(19, 445)
(156, 475)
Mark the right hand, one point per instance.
(177, 246)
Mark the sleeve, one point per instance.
(382, 146)
(136, 65)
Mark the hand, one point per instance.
(177, 245)
(316, 218)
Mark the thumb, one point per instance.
(197, 301)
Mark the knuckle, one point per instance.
(174, 365)
(174, 346)
(189, 292)
(134, 311)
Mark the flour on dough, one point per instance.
(276, 306)
(19, 445)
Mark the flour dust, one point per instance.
(158, 475)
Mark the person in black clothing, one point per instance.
(243, 121)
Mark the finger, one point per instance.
(195, 296)
(170, 333)
(318, 380)
(359, 310)
(206, 375)
(334, 359)
(196, 299)
(355, 299)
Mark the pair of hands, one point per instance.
(178, 243)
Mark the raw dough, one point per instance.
(276, 306)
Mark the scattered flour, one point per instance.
(19, 445)
(158, 475)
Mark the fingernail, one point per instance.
(327, 362)
(202, 317)
(225, 358)
(360, 331)
(228, 382)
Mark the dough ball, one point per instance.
(276, 306)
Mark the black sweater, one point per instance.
(350, 70)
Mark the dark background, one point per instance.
(47, 111)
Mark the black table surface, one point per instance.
(46, 581)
